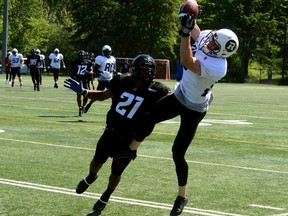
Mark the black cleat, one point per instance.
(81, 111)
(85, 110)
(83, 185)
(34, 87)
(55, 85)
(178, 206)
(99, 206)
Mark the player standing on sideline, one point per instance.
(33, 62)
(56, 58)
(16, 61)
(42, 65)
(125, 67)
(105, 65)
(91, 76)
(132, 99)
(7, 68)
(80, 70)
(193, 95)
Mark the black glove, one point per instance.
(187, 24)
(125, 154)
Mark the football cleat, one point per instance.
(83, 185)
(99, 206)
(85, 110)
(178, 206)
(81, 111)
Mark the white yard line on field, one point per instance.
(147, 156)
(267, 207)
(112, 199)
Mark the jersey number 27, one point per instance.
(122, 107)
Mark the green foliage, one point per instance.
(151, 26)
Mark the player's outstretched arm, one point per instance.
(92, 94)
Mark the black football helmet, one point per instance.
(33, 51)
(91, 56)
(144, 68)
(81, 54)
(106, 51)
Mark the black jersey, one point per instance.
(131, 104)
(33, 61)
(79, 69)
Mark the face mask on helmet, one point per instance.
(81, 54)
(221, 43)
(38, 52)
(33, 51)
(144, 68)
(106, 51)
(14, 51)
(56, 51)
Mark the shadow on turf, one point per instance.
(94, 213)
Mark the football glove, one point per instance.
(187, 24)
(74, 85)
(126, 154)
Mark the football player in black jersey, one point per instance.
(132, 99)
(80, 70)
(33, 61)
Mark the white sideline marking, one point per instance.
(2, 131)
(147, 156)
(113, 198)
(267, 207)
(207, 122)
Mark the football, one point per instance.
(189, 7)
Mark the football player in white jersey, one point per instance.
(16, 60)
(56, 58)
(42, 66)
(193, 95)
(106, 66)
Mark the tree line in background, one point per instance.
(131, 27)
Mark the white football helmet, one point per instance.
(56, 50)
(14, 51)
(38, 52)
(106, 51)
(220, 43)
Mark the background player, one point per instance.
(16, 61)
(80, 70)
(56, 58)
(33, 62)
(105, 66)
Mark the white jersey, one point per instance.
(42, 57)
(56, 60)
(194, 91)
(16, 60)
(106, 67)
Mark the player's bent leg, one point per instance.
(84, 184)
